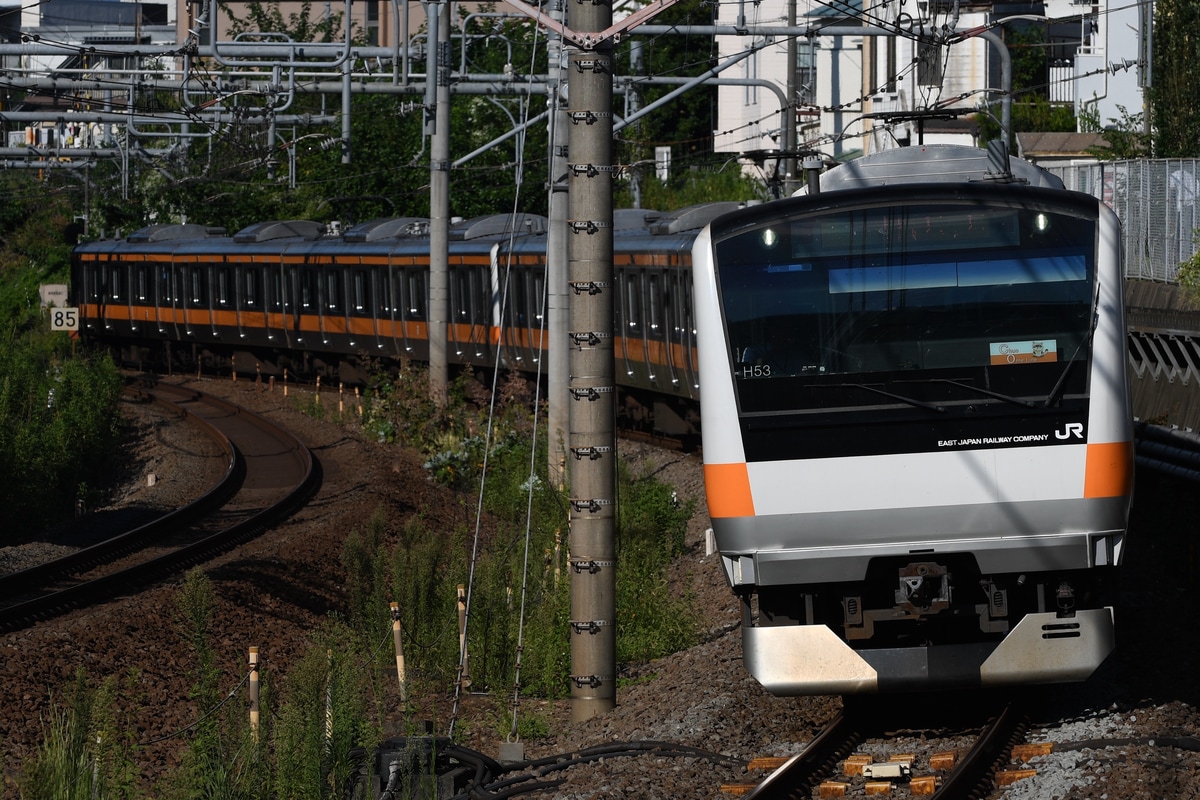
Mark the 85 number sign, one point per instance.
(64, 319)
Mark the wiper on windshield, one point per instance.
(909, 400)
(1008, 398)
(1056, 392)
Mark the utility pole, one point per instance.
(557, 418)
(438, 64)
(790, 176)
(591, 302)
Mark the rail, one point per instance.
(187, 521)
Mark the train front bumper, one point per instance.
(1042, 648)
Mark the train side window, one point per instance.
(537, 298)
(416, 295)
(460, 295)
(176, 291)
(196, 286)
(654, 307)
(633, 303)
(276, 298)
(114, 282)
(361, 292)
(142, 274)
(383, 291)
(308, 289)
(252, 288)
(333, 290)
(225, 286)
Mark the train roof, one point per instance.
(272, 230)
(498, 225)
(940, 163)
(388, 228)
(172, 232)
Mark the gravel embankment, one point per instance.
(273, 591)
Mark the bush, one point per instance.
(59, 429)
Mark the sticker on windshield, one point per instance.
(1038, 351)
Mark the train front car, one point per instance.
(916, 427)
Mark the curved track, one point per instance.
(970, 773)
(270, 474)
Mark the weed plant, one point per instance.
(420, 566)
(84, 754)
(59, 428)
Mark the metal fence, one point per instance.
(1158, 203)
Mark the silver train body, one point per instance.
(916, 425)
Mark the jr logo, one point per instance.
(1070, 429)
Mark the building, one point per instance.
(862, 92)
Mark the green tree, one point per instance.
(1175, 112)
(687, 122)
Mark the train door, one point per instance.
(359, 308)
(279, 306)
(224, 301)
(170, 306)
(524, 314)
(470, 312)
(414, 282)
(684, 330)
(113, 288)
(333, 304)
(199, 297)
(384, 317)
(309, 303)
(632, 328)
(251, 310)
(141, 282)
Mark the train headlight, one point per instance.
(769, 238)
(1041, 223)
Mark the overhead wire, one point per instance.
(514, 216)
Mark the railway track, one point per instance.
(269, 474)
(853, 757)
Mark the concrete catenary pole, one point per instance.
(591, 300)
(558, 416)
(439, 199)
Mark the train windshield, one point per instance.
(913, 305)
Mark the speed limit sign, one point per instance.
(64, 319)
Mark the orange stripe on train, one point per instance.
(1109, 470)
(728, 490)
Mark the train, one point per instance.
(314, 301)
(916, 425)
(915, 419)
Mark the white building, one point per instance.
(857, 93)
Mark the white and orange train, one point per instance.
(292, 295)
(916, 423)
(918, 442)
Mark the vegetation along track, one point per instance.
(865, 750)
(270, 474)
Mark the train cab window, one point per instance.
(333, 290)
(225, 286)
(252, 288)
